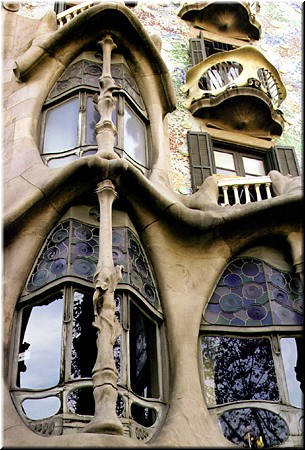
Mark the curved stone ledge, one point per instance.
(87, 28)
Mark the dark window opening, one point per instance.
(143, 352)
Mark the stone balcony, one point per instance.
(243, 190)
(64, 17)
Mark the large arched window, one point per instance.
(55, 348)
(251, 351)
(69, 114)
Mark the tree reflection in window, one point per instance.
(238, 369)
(254, 427)
(143, 353)
(84, 350)
(40, 345)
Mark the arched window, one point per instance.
(69, 114)
(251, 346)
(56, 347)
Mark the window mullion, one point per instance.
(280, 371)
(67, 333)
(81, 119)
(120, 121)
(239, 164)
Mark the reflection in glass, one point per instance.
(143, 354)
(224, 160)
(60, 162)
(143, 415)
(81, 402)
(253, 166)
(61, 127)
(290, 355)
(41, 408)
(92, 118)
(84, 348)
(254, 428)
(134, 136)
(238, 369)
(40, 345)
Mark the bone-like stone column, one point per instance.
(105, 129)
(105, 374)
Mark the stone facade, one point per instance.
(188, 239)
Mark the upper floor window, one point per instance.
(69, 115)
(55, 349)
(210, 156)
(252, 349)
(200, 49)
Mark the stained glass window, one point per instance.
(68, 124)
(252, 293)
(57, 343)
(72, 249)
(252, 350)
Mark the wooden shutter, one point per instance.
(283, 159)
(197, 50)
(202, 162)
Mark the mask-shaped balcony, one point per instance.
(229, 19)
(237, 90)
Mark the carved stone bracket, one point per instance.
(105, 374)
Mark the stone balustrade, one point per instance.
(235, 191)
(65, 16)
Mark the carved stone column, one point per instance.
(104, 373)
(105, 104)
(295, 240)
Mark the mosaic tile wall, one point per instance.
(281, 43)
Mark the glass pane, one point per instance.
(84, 349)
(254, 428)
(142, 415)
(143, 354)
(61, 127)
(81, 401)
(290, 356)
(229, 173)
(92, 118)
(53, 261)
(40, 348)
(134, 136)
(61, 162)
(41, 408)
(253, 166)
(224, 160)
(84, 250)
(238, 369)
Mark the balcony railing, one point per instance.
(243, 67)
(65, 16)
(243, 190)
